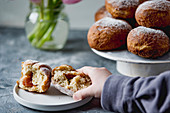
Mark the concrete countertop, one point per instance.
(15, 48)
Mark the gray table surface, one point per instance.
(15, 48)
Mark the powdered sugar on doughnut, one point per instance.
(161, 5)
(111, 22)
(145, 30)
(124, 3)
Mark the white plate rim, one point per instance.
(46, 107)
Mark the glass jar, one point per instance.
(47, 27)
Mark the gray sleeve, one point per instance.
(137, 94)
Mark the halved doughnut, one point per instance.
(36, 77)
(67, 80)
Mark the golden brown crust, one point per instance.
(153, 13)
(122, 8)
(101, 13)
(62, 68)
(108, 34)
(147, 42)
(35, 76)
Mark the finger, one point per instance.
(80, 70)
(81, 94)
(85, 69)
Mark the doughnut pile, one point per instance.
(37, 77)
(142, 25)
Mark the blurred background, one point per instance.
(81, 15)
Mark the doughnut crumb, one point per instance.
(67, 80)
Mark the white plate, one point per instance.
(52, 100)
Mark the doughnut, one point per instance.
(147, 42)
(101, 13)
(67, 80)
(36, 77)
(108, 33)
(122, 8)
(154, 13)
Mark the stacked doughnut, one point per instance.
(144, 25)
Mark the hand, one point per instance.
(98, 77)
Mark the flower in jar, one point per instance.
(42, 31)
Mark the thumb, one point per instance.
(81, 94)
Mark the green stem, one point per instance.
(42, 9)
(47, 35)
(32, 34)
(44, 26)
(40, 32)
